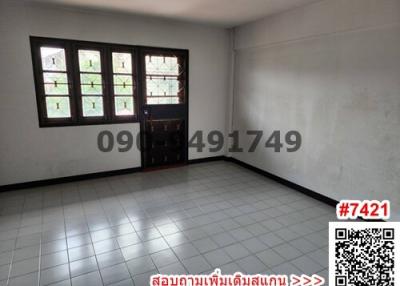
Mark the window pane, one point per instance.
(92, 89)
(122, 62)
(162, 86)
(123, 85)
(162, 100)
(53, 59)
(90, 78)
(124, 105)
(51, 77)
(58, 107)
(92, 106)
(152, 100)
(123, 79)
(89, 61)
(52, 89)
(55, 83)
(174, 100)
(159, 65)
(123, 90)
(91, 84)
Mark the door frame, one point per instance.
(69, 46)
(139, 57)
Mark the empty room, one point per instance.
(199, 142)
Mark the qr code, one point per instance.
(364, 254)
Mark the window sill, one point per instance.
(87, 123)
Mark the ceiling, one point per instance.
(224, 13)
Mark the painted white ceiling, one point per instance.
(224, 13)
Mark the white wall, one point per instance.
(29, 153)
(330, 70)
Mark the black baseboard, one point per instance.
(207, 159)
(62, 180)
(68, 179)
(278, 179)
(285, 182)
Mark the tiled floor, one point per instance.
(120, 230)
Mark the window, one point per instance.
(123, 84)
(82, 83)
(55, 82)
(164, 78)
(91, 83)
(53, 78)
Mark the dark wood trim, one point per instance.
(110, 44)
(186, 55)
(87, 123)
(183, 54)
(82, 120)
(140, 84)
(68, 179)
(134, 74)
(70, 47)
(39, 83)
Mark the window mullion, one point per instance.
(108, 101)
(70, 62)
(57, 80)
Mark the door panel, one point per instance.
(164, 107)
(165, 142)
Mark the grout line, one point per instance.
(66, 240)
(134, 231)
(102, 207)
(15, 245)
(40, 260)
(11, 264)
(238, 195)
(40, 240)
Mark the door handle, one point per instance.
(147, 113)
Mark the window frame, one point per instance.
(39, 82)
(183, 78)
(76, 47)
(71, 48)
(135, 82)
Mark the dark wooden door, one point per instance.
(164, 107)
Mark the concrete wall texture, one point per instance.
(330, 70)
